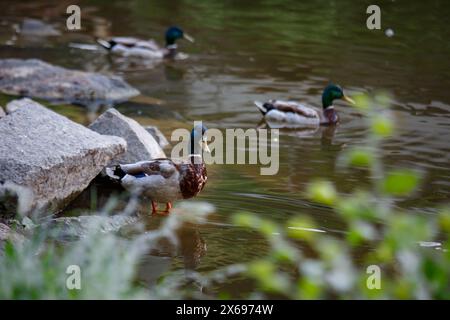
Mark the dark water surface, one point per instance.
(249, 50)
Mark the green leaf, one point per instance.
(444, 220)
(358, 205)
(267, 228)
(301, 228)
(264, 272)
(246, 220)
(382, 125)
(322, 192)
(361, 101)
(360, 158)
(360, 231)
(307, 289)
(9, 250)
(400, 182)
(285, 253)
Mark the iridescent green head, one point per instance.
(175, 33)
(332, 92)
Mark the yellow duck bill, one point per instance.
(188, 37)
(348, 99)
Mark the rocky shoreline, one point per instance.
(46, 160)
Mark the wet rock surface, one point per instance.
(37, 79)
(38, 28)
(53, 156)
(140, 144)
(71, 228)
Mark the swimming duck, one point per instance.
(148, 49)
(293, 114)
(166, 180)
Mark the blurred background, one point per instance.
(256, 50)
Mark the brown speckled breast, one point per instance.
(193, 179)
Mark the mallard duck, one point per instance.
(148, 49)
(166, 180)
(294, 114)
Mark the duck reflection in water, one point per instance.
(327, 132)
(172, 72)
(187, 243)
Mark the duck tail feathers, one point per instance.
(118, 172)
(261, 107)
(105, 44)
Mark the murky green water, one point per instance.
(269, 49)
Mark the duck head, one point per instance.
(175, 33)
(199, 141)
(332, 92)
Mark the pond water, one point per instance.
(256, 50)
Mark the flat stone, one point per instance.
(157, 135)
(37, 28)
(37, 79)
(140, 144)
(71, 228)
(51, 155)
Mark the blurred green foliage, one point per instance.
(410, 250)
(36, 268)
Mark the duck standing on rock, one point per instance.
(147, 49)
(165, 180)
(292, 114)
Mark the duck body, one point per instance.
(291, 114)
(166, 180)
(133, 47)
(147, 49)
(163, 180)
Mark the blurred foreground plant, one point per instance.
(37, 267)
(409, 252)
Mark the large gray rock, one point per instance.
(2, 113)
(37, 79)
(53, 156)
(140, 144)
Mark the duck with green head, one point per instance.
(166, 180)
(146, 49)
(292, 114)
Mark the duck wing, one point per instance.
(163, 167)
(129, 43)
(125, 41)
(295, 107)
(148, 44)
